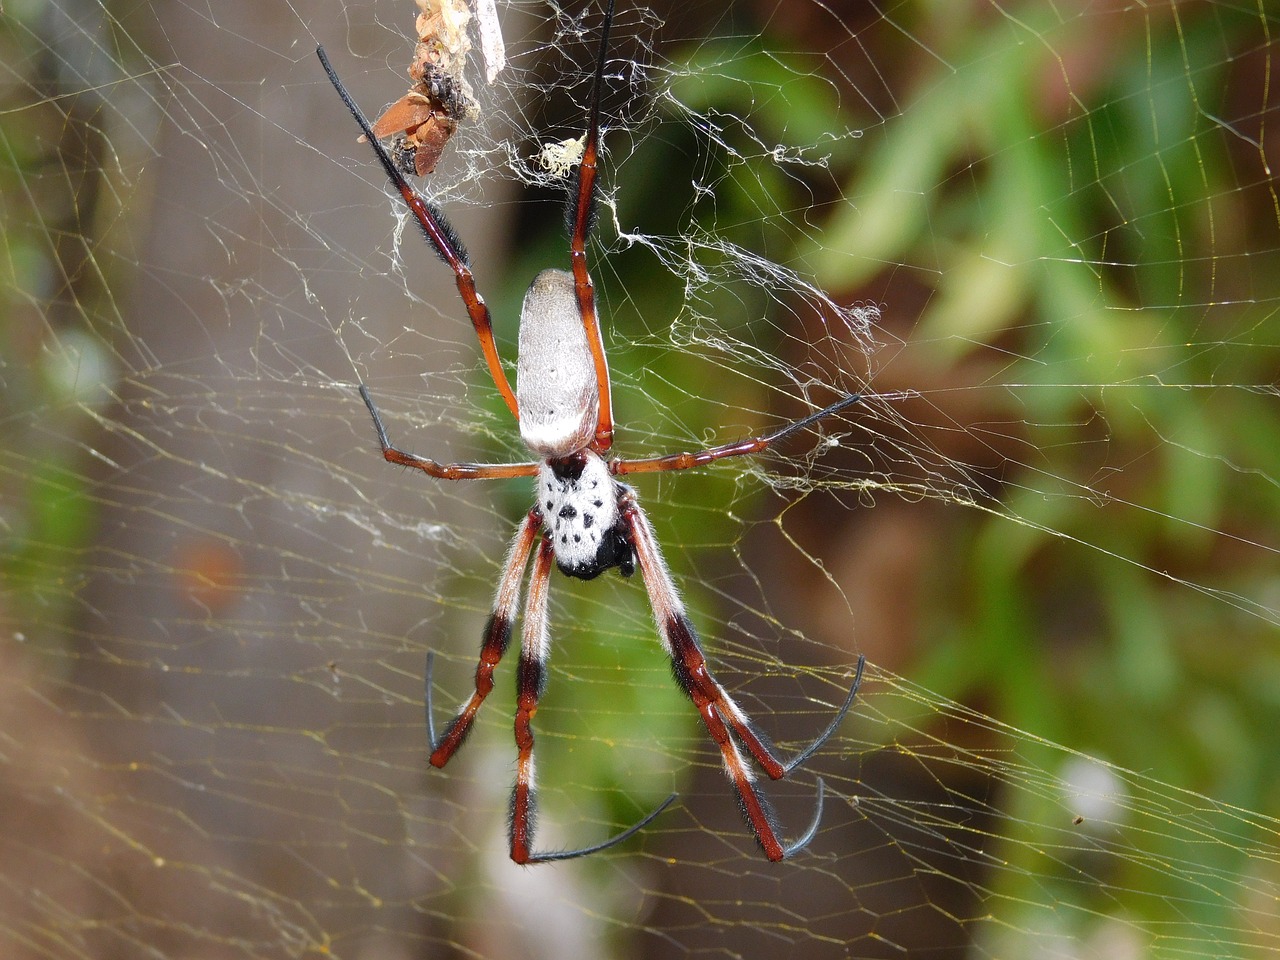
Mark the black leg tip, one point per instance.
(834, 725)
(808, 835)
(426, 698)
(555, 855)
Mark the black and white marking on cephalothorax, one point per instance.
(578, 499)
(585, 521)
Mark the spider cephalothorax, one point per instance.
(584, 520)
(579, 500)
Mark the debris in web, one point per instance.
(423, 120)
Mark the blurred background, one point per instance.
(1042, 239)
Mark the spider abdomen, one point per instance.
(556, 386)
(578, 500)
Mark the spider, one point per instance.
(584, 520)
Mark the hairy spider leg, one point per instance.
(581, 218)
(683, 461)
(444, 471)
(723, 718)
(531, 681)
(440, 234)
(497, 635)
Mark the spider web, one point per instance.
(1041, 238)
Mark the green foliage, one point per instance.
(1107, 243)
(1072, 199)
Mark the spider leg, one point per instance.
(445, 471)
(553, 855)
(834, 725)
(497, 635)
(440, 234)
(683, 461)
(581, 216)
(530, 682)
(723, 718)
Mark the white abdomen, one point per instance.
(556, 387)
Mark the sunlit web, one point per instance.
(1052, 532)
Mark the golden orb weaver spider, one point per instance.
(584, 520)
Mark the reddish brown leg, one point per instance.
(683, 461)
(530, 682)
(722, 717)
(444, 241)
(497, 634)
(445, 471)
(581, 216)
